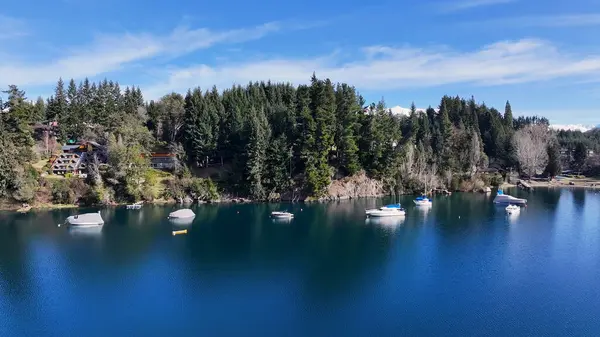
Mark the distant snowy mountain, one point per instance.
(398, 110)
(573, 127)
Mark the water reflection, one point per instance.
(512, 218)
(579, 198)
(85, 231)
(182, 221)
(424, 210)
(282, 220)
(390, 223)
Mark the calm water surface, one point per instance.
(462, 268)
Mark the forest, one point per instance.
(265, 141)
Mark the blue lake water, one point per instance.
(461, 268)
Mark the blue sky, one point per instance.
(543, 56)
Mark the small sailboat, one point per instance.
(423, 201)
(281, 215)
(513, 209)
(385, 211)
(502, 198)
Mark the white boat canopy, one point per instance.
(182, 213)
(88, 219)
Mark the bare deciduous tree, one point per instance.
(531, 144)
(474, 153)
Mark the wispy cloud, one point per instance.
(109, 53)
(11, 28)
(562, 20)
(453, 6)
(385, 68)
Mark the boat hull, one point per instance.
(281, 215)
(422, 203)
(509, 200)
(384, 214)
(84, 225)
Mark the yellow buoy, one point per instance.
(183, 231)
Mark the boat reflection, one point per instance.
(282, 220)
(182, 221)
(512, 217)
(85, 231)
(387, 222)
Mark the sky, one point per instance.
(542, 56)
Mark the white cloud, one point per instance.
(385, 68)
(456, 5)
(109, 53)
(11, 28)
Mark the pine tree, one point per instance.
(259, 135)
(39, 110)
(322, 106)
(278, 165)
(57, 104)
(554, 166)
(347, 111)
(508, 117)
(445, 134)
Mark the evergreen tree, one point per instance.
(554, 166)
(508, 116)
(259, 135)
(579, 155)
(322, 108)
(347, 111)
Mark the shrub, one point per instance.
(79, 188)
(203, 189)
(466, 186)
(496, 180)
(197, 188)
(455, 183)
(62, 193)
(486, 179)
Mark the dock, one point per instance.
(524, 185)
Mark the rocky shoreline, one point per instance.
(355, 187)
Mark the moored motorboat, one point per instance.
(85, 220)
(281, 215)
(423, 201)
(385, 211)
(502, 198)
(185, 213)
(513, 209)
(137, 205)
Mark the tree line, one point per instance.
(266, 140)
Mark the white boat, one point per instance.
(137, 205)
(423, 201)
(185, 213)
(85, 220)
(502, 198)
(281, 215)
(385, 211)
(513, 209)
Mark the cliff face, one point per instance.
(357, 186)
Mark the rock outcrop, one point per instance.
(356, 186)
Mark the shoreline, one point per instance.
(161, 202)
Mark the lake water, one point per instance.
(460, 269)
